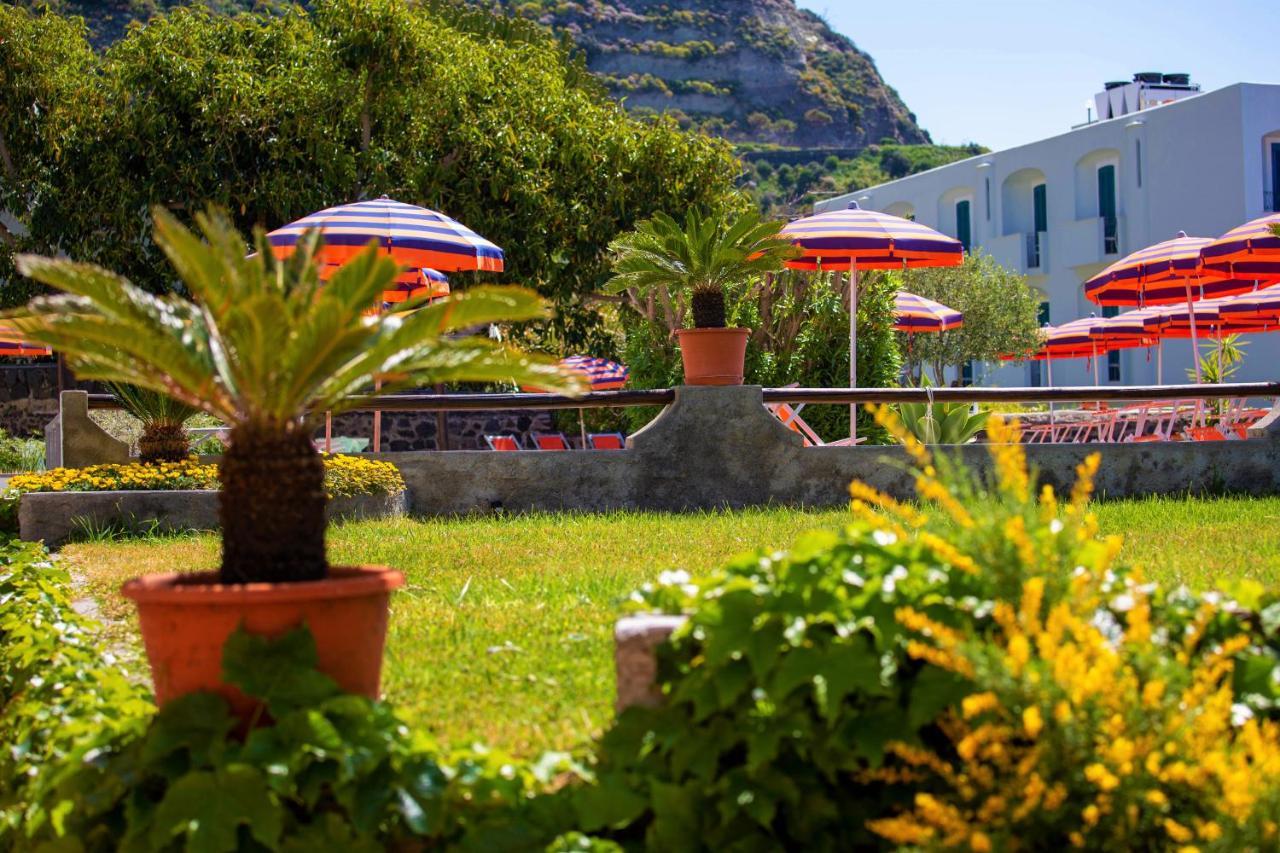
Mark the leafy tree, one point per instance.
(1001, 314)
(273, 117)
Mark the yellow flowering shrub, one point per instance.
(344, 476)
(347, 476)
(971, 671)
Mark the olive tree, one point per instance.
(1000, 310)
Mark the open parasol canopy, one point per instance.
(856, 239)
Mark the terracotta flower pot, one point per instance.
(713, 356)
(186, 619)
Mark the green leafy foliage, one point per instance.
(1001, 315)
(273, 117)
(820, 699)
(331, 771)
(941, 423)
(786, 182)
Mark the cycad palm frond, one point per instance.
(264, 339)
(702, 255)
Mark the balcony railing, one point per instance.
(1110, 236)
(1036, 244)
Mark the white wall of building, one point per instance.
(1200, 165)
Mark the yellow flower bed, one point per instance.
(163, 476)
(344, 476)
(347, 476)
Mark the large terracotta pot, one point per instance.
(186, 619)
(713, 356)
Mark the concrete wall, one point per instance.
(719, 447)
(712, 448)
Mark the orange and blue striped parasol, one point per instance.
(868, 240)
(1249, 251)
(14, 345)
(914, 313)
(413, 236)
(856, 239)
(1262, 305)
(1161, 274)
(411, 284)
(600, 373)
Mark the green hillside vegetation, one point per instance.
(275, 116)
(788, 190)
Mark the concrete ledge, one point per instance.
(55, 517)
(73, 440)
(719, 447)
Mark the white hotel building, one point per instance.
(1162, 158)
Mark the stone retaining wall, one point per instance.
(56, 517)
(719, 447)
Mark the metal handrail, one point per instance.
(838, 396)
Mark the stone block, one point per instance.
(73, 440)
(636, 640)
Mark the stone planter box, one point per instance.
(55, 517)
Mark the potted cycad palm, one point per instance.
(688, 267)
(261, 346)
(163, 419)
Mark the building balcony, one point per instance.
(1024, 253)
(1095, 240)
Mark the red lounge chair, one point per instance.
(550, 441)
(606, 441)
(502, 442)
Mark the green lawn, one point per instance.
(503, 633)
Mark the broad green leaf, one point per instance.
(206, 809)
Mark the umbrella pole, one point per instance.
(1195, 342)
(582, 427)
(1095, 365)
(853, 345)
(377, 423)
(1160, 361)
(1048, 360)
(328, 432)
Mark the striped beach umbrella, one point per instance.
(1262, 305)
(914, 314)
(1164, 274)
(412, 236)
(1249, 251)
(411, 284)
(1161, 275)
(600, 373)
(14, 345)
(856, 239)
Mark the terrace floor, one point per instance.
(503, 633)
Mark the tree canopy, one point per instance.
(275, 116)
(1000, 314)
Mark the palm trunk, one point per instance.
(272, 506)
(163, 442)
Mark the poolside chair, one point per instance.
(502, 442)
(606, 441)
(550, 441)
(790, 417)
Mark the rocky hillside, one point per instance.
(749, 70)
(760, 71)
